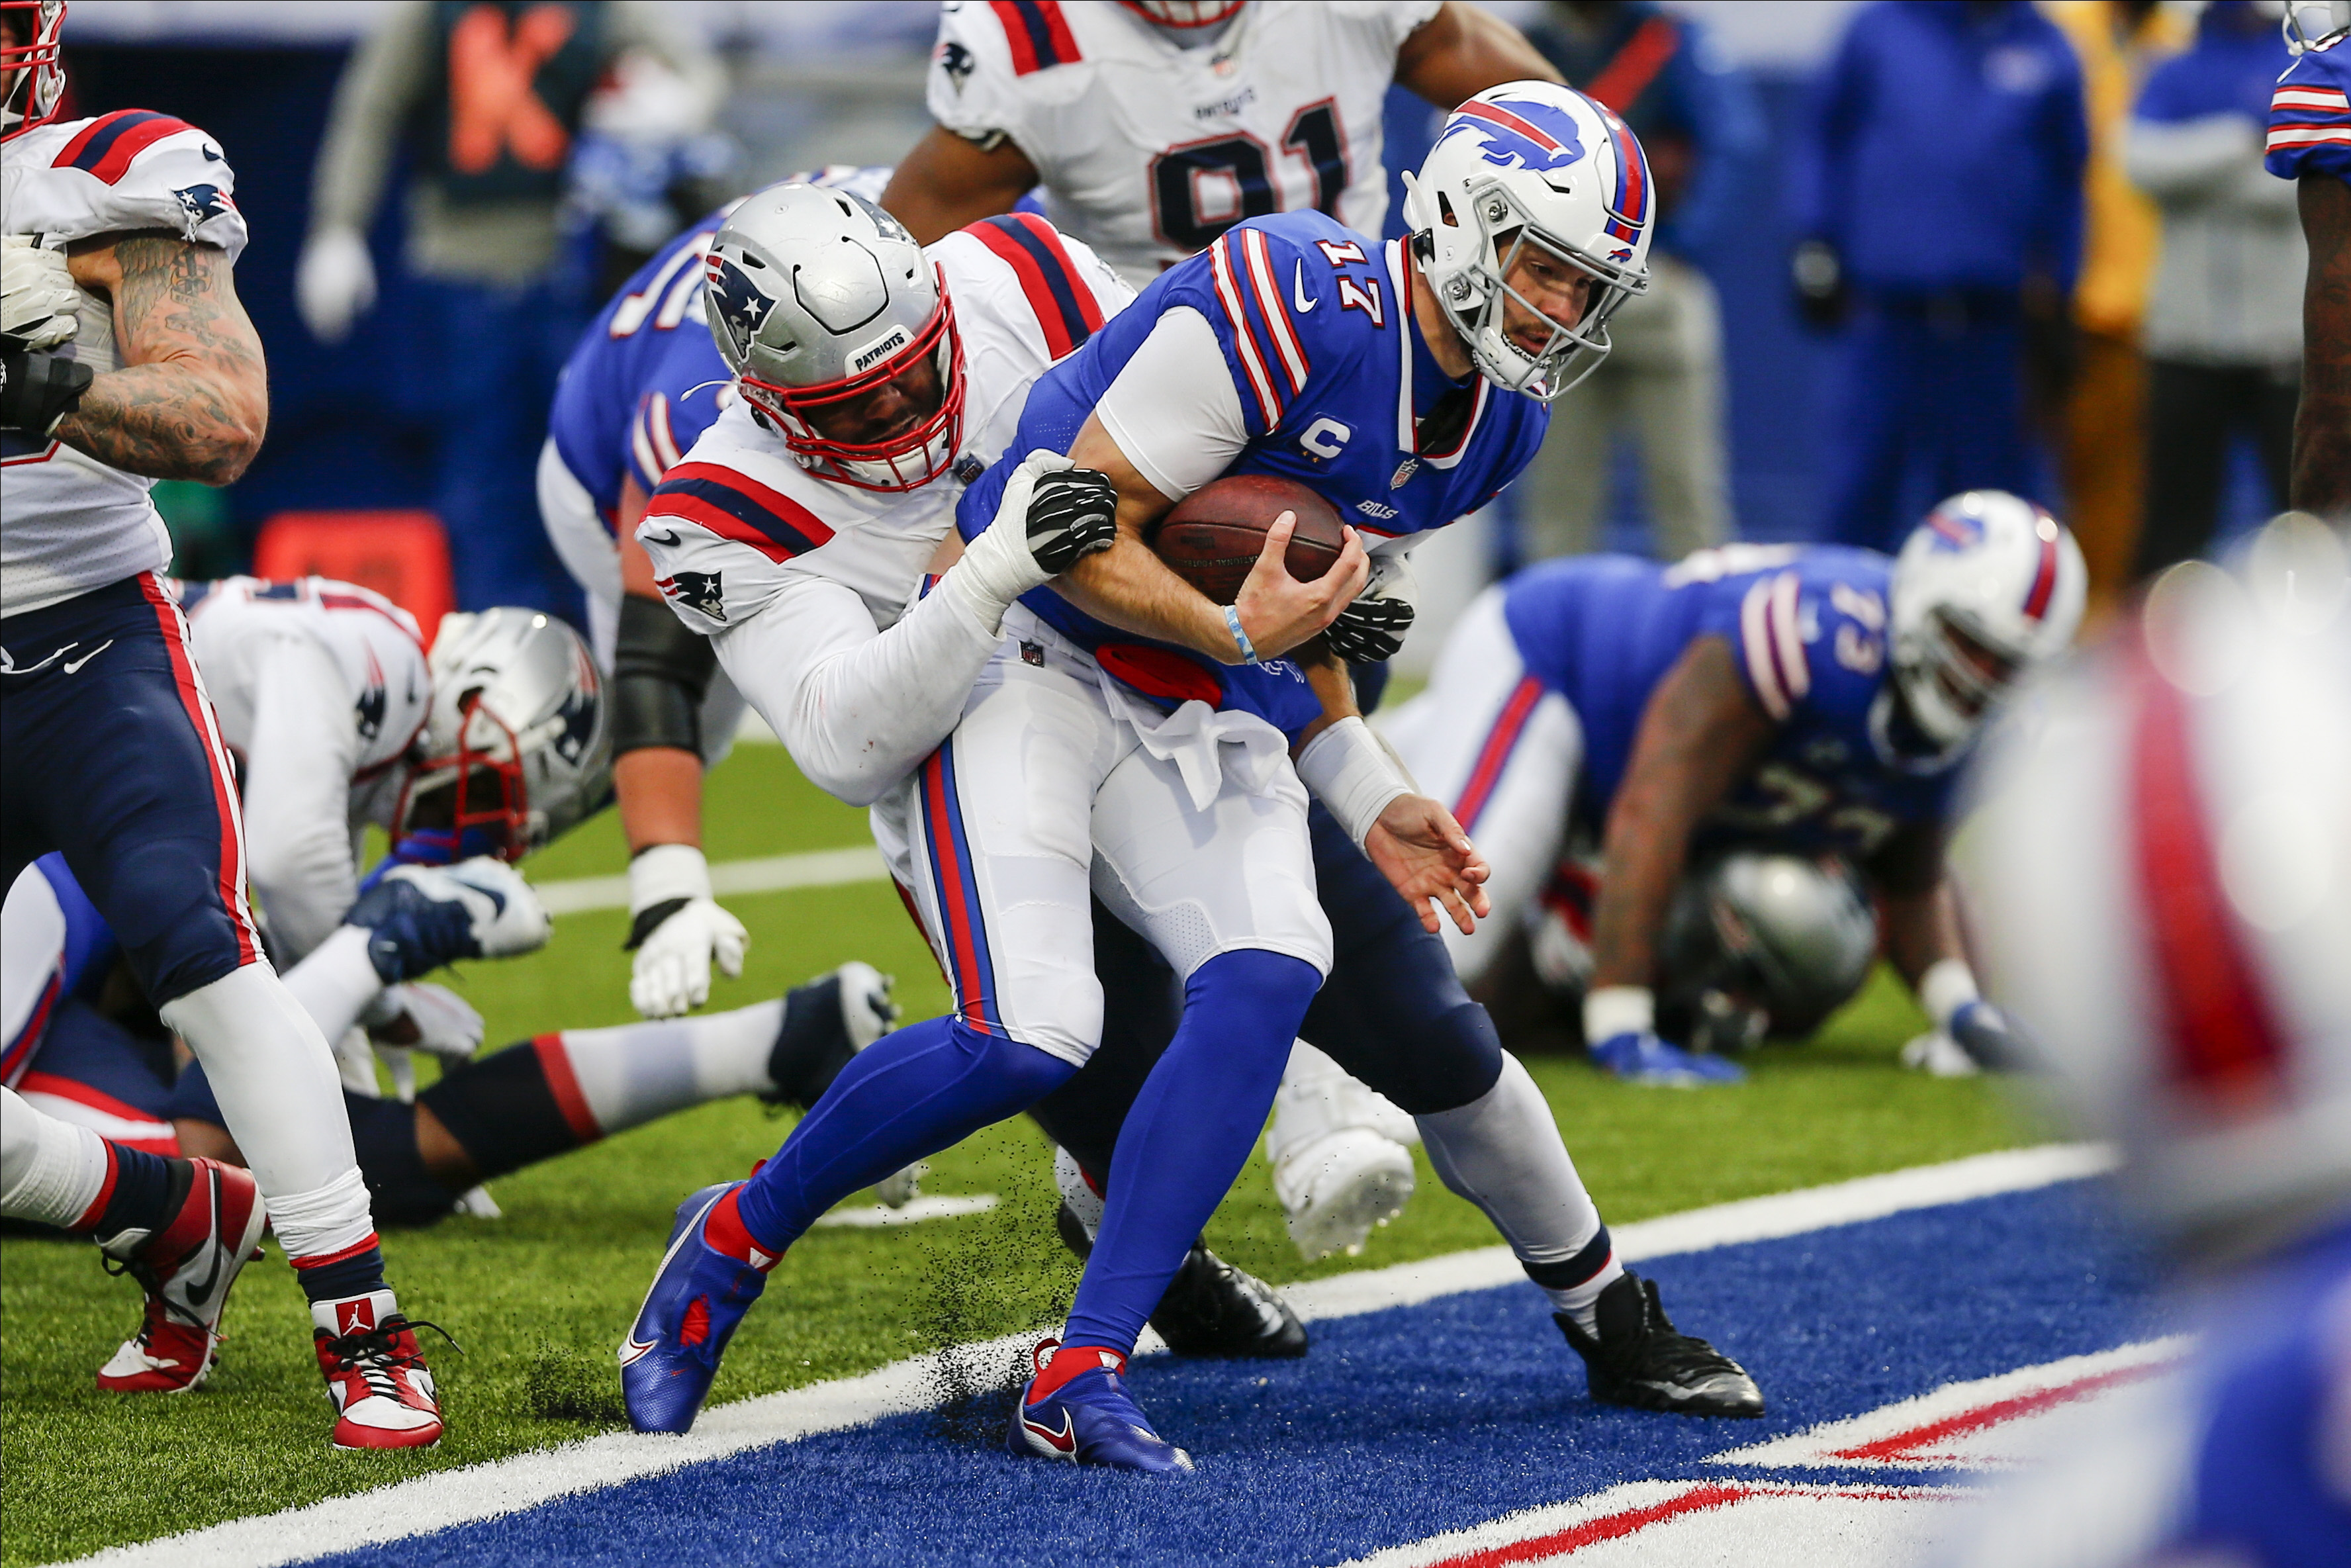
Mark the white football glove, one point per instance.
(446, 1025)
(37, 298)
(334, 283)
(669, 884)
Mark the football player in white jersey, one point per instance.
(1150, 128)
(127, 359)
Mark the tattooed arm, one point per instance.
(192, 398)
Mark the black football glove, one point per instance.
(1370, 630)
(1073, 514)
(37, 390)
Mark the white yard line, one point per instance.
(449, 1497)
(874, 1215)
(772, 873)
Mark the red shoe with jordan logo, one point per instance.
(376, 1376)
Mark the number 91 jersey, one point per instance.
(1149, 151)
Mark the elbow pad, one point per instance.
(661, 672)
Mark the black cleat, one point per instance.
(1641, 1359)
(1211, 1309)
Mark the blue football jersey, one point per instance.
(1807, 629)
(2310, 113)
(1313, 320)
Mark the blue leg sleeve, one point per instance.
(907, 1095)
(1188, 1135)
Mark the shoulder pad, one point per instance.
(131, 170)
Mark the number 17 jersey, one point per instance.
(1147, 150)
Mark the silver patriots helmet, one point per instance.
(518, 747)
(1761, 943)
(841, 335)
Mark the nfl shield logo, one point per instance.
(1404, 471)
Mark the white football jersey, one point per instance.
(1147, 150)
(68, 522)
(739, 518)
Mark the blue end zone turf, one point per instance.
(1399, 1425)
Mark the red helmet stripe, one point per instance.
(2045, 580)
(2223, 1041)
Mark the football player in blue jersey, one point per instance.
(2159, 868)
(2310, 144)
(1810, 699)
(1406, 383)
(640, 389)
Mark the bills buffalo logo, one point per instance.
(742, 309)
(203, 202)
(1518, 134)
(698, 590)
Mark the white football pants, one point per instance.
(1047, 793)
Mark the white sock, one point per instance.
(1503, 1152)
(51, 1172)
(277, 1084)
(337, 983)
(634, 1072)
(319, 1224)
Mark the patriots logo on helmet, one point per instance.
(742, 307)
(372, 701)
(697, 590)
(1519, 135)
(204, 202)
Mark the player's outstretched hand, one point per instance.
(1279, 612)
(1429, 859)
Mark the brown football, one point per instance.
(1212, 537)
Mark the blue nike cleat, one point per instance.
(695, 1303)
(1638, 1056)
(1090, 1420)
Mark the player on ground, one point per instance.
(127, 359)
(1150, 128)
(1406, 383)
(2310, 144)
(1808, 698)
(992, 837)
(644, 385)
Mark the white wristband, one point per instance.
(1948, 986)
(1613, 1010)
(665, 871)
(1241, 638)
(1352, 775)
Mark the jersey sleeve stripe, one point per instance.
(1040, 35)
(729, 503)
(1755, 645)
(2320, 99)
(1065, 309)
(1269, 301)
(1788, 637)
(1229, 294)
(106, 146)
(2284, 136)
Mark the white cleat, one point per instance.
(1336, 1189)
(1938, 1055)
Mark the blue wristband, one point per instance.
(1241, 638)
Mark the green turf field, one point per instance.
(540, 1298)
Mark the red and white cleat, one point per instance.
(186, 1270)
(376, 1376)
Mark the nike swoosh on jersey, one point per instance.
(668, 540)
(1298, 300)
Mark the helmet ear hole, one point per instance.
(1445, 212)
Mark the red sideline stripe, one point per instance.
(961, 941)
(2045, 580)
(1495, 114)
(1496, 752)
(353, 1250)
(90, 1216)
(1608, 1527)
(124, 141)
(1059, 341)
(200, 713)
(2224, 1040)
(555, 1063)
(1901, 1444)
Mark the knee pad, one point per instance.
(400, 1190)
